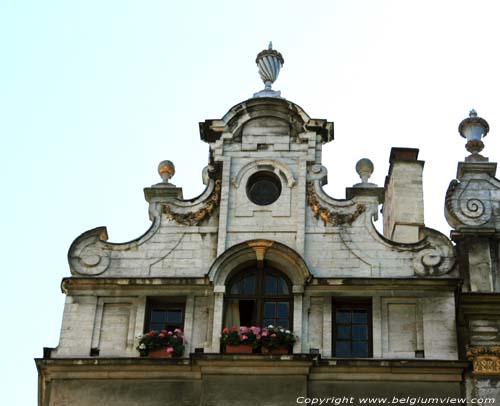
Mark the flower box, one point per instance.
(162, 344)
(282, 349)
(239, 349)
(159, 353)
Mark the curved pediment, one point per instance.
(265, 115)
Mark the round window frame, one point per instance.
(267, 176)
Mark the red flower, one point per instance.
(225, 330)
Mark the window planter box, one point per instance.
(159, 353)
(283, 349)
(239, 349)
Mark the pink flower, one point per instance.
(243, 337)
(255, 330)
(177, 330)
(243, 329)
(264, 333)
(170, 333)
(273, 335)
(161, 335)
(170, 349)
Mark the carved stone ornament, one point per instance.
(437, 257)
(334, 218)
(86, 255)
(196, 217)
(485, 360)
(473, 202)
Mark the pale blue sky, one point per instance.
(93, 94)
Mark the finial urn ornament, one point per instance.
(166, 170)
(473, 129)
(269, 62)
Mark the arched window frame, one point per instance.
(259, 296)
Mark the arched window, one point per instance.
(258, 297)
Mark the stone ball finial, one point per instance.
(364, 168)
(166, 169)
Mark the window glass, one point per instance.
(343, 316)
(343, 349)
(351, 329)
(164, 316)
(269, 293)
(271, 284)
(360, 349)
(344, 332)
(282, 310)
(359, 317)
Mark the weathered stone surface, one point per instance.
(328, 249)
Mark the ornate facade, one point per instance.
(408, 312)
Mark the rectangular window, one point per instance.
(352, 325)
(164, 314)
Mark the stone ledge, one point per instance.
(71, 284)
(383, 283)
(199, 365)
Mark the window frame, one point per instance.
(259, 297)
(166, 303)
(352, 304)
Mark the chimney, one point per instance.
(403, 210)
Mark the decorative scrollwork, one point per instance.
(472, 208)
(196, 217)
(328, 216)
(436, 258)
(469, 203)
(86, 255)
(477, 351)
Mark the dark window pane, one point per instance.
(268, 322)
(360, 349)
(270, 310)
(282, 287)
(359, 317)
(156, 326)
(174, 316)
(283, 323)
(359, 332)
(263, 188)
(282, 309)
(344, 332)
(157, 316)
(270, 285)
(343, 349)
(236, 288)
(249, 285)
(343, 316)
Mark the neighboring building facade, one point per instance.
(406, 313)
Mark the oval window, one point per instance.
(263, 188)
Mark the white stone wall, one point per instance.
(288, 143)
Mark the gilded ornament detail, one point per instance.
(485, 360)
(328, 216)
(196, 217)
